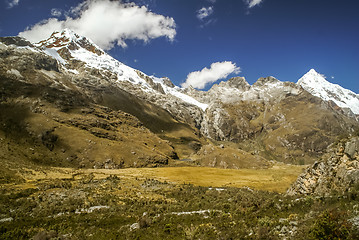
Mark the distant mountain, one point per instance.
(274, 119)
(69, 49)
(65, 102)
(317, 85)
(69, 93)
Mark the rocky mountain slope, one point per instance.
(276, 120)
(58, 110)
(336, 171)
(50, 116)
(78, 103)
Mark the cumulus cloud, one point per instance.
(218, 70)
(56, 12)
(204, 12)
(42, 30)
(107, 23)
(252, 3)
(13, 3)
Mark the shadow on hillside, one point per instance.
(153, 117)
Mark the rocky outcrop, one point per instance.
(17, 41)
(239, 83)
(352, 148)
(64, 38)
(337, 171)
(266, 81)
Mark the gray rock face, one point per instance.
(168, 82)
(351, 148)
(47, 63)
(238, 83)
(63, 40)
(264, 81)
(338, 171)
(18, 58)
(17, 41)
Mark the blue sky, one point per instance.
(280, 38)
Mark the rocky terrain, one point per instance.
(48, 116)
(67, 203)
(337, 171)
(277, 120)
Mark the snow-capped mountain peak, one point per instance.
(69, 47)
(60, 39)
(70, 39)
(316, 84)
(313, 78)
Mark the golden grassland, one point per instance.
(277, 178)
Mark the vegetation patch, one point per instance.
(67, 203)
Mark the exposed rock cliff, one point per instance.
(337, 171)
(278, 120)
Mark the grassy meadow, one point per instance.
(168, 203)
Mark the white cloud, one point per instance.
(218, 70)
(107, 23)
(42, 30)
(204, 12)
(253, 3)
(13, 3)
(56, 12)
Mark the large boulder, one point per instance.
(352, 147)
(337, 171)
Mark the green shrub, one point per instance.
(330, 225)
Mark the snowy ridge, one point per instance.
(187, 98)
(64, 38)
(267, 89)
(66, 46)
(318, 86)
(84, 50)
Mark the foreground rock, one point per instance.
(337, 171)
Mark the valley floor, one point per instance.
(169, 203)
(278, 178)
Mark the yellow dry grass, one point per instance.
(277, 178)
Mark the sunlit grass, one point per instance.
(277, 178)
